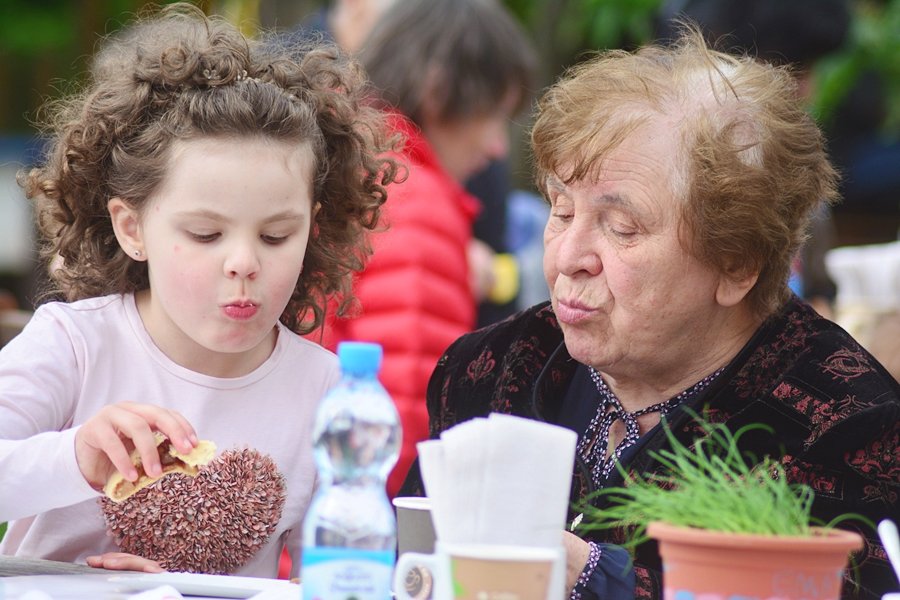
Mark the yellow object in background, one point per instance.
(506, 279)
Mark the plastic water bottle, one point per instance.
(350, 533)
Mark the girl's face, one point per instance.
(224, 239)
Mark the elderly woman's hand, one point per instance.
(577, 552)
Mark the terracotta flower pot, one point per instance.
(712, 565)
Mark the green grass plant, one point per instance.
(711, 485)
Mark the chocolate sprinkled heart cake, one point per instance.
(211, 523)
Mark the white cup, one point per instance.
(415, 529)
(482, 572)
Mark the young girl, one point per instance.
(202, 199)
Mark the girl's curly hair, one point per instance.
(178, 75)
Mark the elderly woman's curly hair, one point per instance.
(179, 75)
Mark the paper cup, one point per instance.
(476, 571)
(415, 529)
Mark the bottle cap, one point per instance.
(359, 358)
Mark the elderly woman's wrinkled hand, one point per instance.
(577, 552)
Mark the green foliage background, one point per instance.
(45, 45)
(873, 44)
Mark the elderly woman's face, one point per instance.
(627, 295)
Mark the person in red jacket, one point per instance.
(452, 73)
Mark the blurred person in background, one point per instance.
(450, 74)
(497, 252)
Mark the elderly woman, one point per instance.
(680, 182)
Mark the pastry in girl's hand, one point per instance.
(118, 488)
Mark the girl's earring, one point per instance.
(137, 253)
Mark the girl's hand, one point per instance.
(121, 561)
(103, 443)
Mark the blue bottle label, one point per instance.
(346, 573)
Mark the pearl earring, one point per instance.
(137, 253)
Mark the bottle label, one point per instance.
(346, 573)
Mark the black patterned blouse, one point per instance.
(834, 409)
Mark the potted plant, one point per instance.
(728, 526)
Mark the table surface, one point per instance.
(69, 581)
(13, 566)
